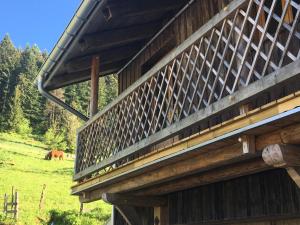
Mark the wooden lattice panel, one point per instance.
(255, 39)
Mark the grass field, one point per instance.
(22, 165)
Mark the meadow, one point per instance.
(22, 165)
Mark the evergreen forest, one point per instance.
(24, 111)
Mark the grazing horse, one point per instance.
(53, 154)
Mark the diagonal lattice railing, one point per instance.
(245, 42)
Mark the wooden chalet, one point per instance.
(206, 127)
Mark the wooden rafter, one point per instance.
(109, 58)
(118, 37)
(66, 79)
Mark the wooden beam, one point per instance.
(279, 155)
(66, 79)
(129, 214)
(108, 57)
(94, 85)
(118, 37)
(194, 164)
(135, 8)
(294, 173)
(212, 176)
(131, 200)
(284, 156)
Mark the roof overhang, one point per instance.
(114, 30)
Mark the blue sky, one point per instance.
(38, 22)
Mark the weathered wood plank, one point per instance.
(132, 200)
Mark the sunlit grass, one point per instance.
(22, 165)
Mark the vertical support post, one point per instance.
(81, 208)
(248, 141)
(94, 85)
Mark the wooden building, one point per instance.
(206, 127)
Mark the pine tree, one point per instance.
(72, 123)
(102, 98)
(17, 122)
(9, 59)
(32, 102)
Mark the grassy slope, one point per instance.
(22, 166)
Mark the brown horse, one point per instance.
(54, 154)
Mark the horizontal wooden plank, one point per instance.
(169, 172)
(217, 175)
(132, 200)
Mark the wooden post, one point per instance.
(94, 85)
(42, 197)
(5, 203)
(81, 208)
(12, 196)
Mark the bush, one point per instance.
(94, 217)
(55, 139)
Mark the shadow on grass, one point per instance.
(23, 143)
(26, 155)
(59, 172)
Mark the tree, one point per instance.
(55, 138)
(33, 103)
(102, 98)
(111, 88)
(72, 123)
(9, 59)
(17, 122)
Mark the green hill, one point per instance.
(22, 165)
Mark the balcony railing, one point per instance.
(249, 40)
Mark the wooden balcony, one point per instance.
(249, 48)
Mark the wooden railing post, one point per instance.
(94, 85)
(5, 203)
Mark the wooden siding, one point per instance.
(268, 198)
(265, 196)
(186, 24)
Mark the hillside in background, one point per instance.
(22, 165)
(24, 111)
